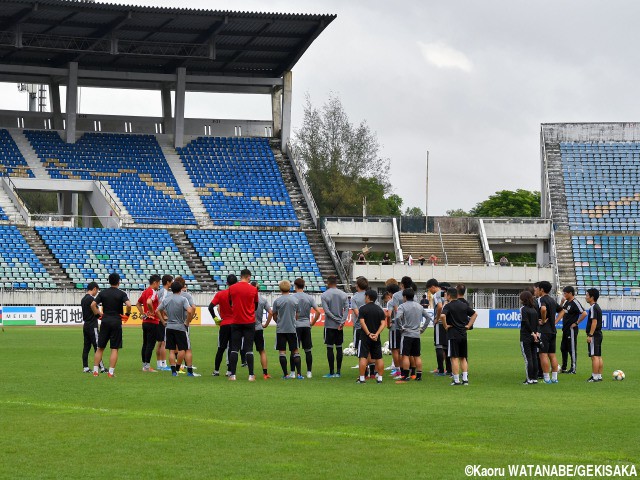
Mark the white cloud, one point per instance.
(443, 56)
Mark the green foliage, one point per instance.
(516, 259)
(457, 213)
(343, 163)
(40, 202)
(61, 423)
(414, 212)
(506, 203)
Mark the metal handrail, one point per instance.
(446, 257)
(331, 246)
(488, 254)
(396, 241)
(298, 170)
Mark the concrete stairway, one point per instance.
(195, 263)
(560, 217)
(184, 181)
(127, 220)
(295, 191)
(29, 153)
(460, 249)
(10, 209)
(319, 249)
(46, 257)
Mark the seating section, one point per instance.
(610, 263)
(12, 163)
(133, 165)
(91, 254)
(271, 256)
(239, 181)
(19, 265)
(602, 185)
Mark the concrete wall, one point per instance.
(474, 276)
(591, 132)
(354, 233)
(120, 124)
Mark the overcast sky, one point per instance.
(469, 81)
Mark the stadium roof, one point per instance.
(153, 40)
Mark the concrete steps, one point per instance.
(319, 249)
(189, 253)
(29, 154)
(45, 256)
(461, 249)
(10, 209)
(181, 175)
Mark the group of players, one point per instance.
(540, 314)
(167, 309)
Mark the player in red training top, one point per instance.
(224, 318)
(147, 305)
(243, 298)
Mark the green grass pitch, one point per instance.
(57, 422)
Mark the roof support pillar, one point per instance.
(276, 110)
(178, 125)
(286, 110)
(72, 102)
(165, 93)
(54, 91)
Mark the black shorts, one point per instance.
(410, 346)
(177, 340)
(439, 336)
(395, 338)
(595, 347)
(304, 338)
(457, 348)
(284, 339)
(333, 337)
(111, 333)
(160, 328)
(547, 343)
(258, 340)
(224, 336)
(367, 347)
(242, 336)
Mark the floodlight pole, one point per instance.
(426, 201)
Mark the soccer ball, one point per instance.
(618, 375)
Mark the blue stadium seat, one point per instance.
(270, 255)
(239, 181)
(133, 165)
(91, 254)
(19, 265)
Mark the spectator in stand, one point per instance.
(361, 259)
(433, 259)
(421, 259)
(386, 260)
(409, 260)
(425, 301)
(504, 261)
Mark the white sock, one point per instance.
(362, 378)
(594, 375)
(393, 365)
(465, 376)
(378, 377)
(96, 368)
(159, 363)
(111, 370)
(456, 378)
(598, 376)
(554, 375)
(163, 363)
(546, 377)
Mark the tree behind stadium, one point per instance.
(343, 163)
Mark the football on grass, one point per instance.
(618, 375)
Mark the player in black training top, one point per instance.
(113, 314)
(90, 327)
(529, 336)
(372, 323)
(457, 317)
(594, 335)
(547, 322)
(572, 313)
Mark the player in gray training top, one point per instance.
(336, 310)
(395, 335)
(178, 314)
(304, 323)
(409, 318)
(286, 309)
(258, 339)
(161, 352)
(358, 301)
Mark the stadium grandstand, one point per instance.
(590, 191)
(200, 198)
